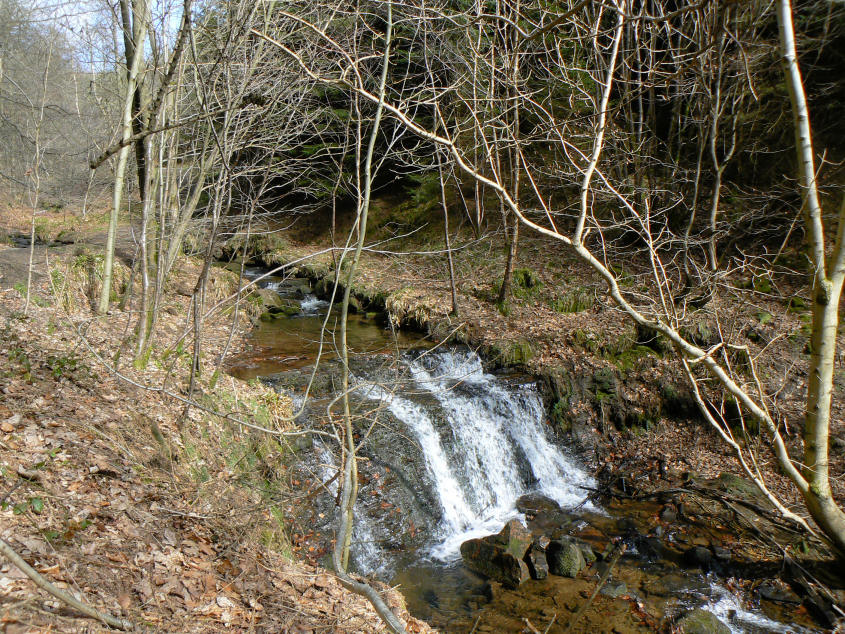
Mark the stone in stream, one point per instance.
(702, 622)
(500, 557)
(565, 558)
(538, 565)
(536, 503)
(699, 557)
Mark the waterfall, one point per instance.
(483, 442)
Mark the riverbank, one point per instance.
(175, 518)
(614, 392)
(606, 382)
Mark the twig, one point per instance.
(530, 627)
(614, 558)
(41, 582)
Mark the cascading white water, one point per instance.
(484, 445)
(366, 551)
(311, 305)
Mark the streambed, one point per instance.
(448, 449)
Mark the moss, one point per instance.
(573, 301)
(762, 285)
(559, 415)
(797, 305)
(506, 354)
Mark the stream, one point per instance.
(449, 452)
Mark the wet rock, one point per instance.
(650, 547)
(668, 514)
(672, 584)
(565, 558)
(284, 308)
(702, 622)
(614, 590)
(538, 565)
(699, 557)
(535, 504)
(541, 543)
(500, 557)
(723, 555)
(515, 538)
(780, 593)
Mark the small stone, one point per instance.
(699, 557)
(668, 514)
(541, 543)
(538, 566)
(723, 555)
(614, 590)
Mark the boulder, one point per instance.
(565, 558)
(702, 622)
(500, 557)
(536, 504)
(284, 308)
(515, 538)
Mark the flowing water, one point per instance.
(449, 450)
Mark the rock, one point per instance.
(500, 557)
(739, 487)
(778, 592)
(285, 308)
(565, 558)
(538, 565)
(614, 590)
(699, 557)
(535, 504)
(668, 514)
(702, 622)
(541, 543)
(723, 555)
(587, 552)
(515, 538)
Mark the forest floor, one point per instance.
(116, 492)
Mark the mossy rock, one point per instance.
(507, 354)
(559, 415)
(285, 308)
(565, 558)
(702, 622)
(738, 486)
(797, 305)
(701, 334)
(605, 383)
